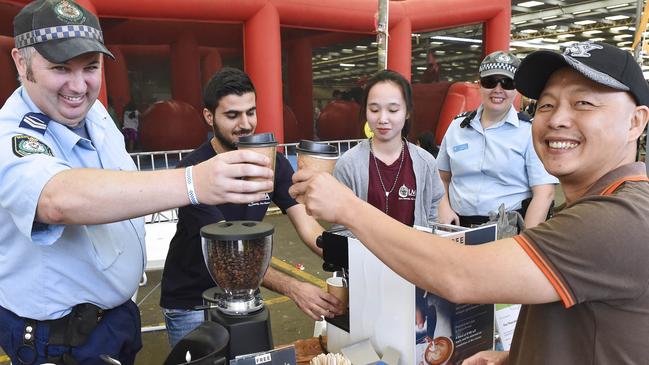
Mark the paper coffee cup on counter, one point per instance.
(264, 143)
(337, 288)
(316, 156)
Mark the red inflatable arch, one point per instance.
(253, 26)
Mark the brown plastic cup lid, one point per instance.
(237, 230)
(316, 148)
(258, 140)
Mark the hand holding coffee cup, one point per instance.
(316, 156)
(337, 287)
(218, 180)
(263, 143)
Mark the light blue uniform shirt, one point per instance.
(47, 269)
(490, 166)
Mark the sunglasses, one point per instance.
(491, 82)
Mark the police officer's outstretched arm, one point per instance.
(537, 211)
(92, 196)
(446, 213)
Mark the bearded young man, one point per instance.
(230, 109)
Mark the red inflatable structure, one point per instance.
(195, 34)
(162, 117)
(339, 120)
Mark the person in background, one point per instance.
(230, 109)
(581, 275)
(130, 125)
(487, 158)
(72, 247)
(113, 113)
(387, 171)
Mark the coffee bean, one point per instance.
(238, 266)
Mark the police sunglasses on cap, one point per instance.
(491, 82)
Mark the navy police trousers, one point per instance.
(117, 335)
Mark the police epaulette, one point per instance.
(35, 121)
(468, 116)
(524, 117)
(463, 114)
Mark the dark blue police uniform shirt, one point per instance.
(185, 276)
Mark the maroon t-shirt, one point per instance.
(401, 201)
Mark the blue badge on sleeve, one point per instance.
(24, 145)
(461, 147)
(35, 121)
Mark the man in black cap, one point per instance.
(72, 247)
(582, 275)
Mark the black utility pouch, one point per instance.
(75, 328)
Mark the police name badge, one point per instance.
(24, 145)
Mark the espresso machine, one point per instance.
(335, 256)
(237, 255)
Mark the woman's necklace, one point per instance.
(396, 178)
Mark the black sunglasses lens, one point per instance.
(491, 82)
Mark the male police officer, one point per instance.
(582, 274)
(71, 248)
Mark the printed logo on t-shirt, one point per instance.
(265, 201)
(406, 193)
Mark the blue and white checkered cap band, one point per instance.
(59, 32)
(497, 66)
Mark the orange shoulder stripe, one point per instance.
(563, 292)
(611, 188)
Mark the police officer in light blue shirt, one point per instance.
(487, 157)
(72, 247)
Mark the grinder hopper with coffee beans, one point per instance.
(237, 255)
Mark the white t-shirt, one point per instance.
(131, 119)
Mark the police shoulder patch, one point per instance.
(24, 145)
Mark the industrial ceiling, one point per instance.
(547, 24)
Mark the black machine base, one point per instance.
(248, 333)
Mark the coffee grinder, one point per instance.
(237, 255)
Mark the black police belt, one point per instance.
(72, 330)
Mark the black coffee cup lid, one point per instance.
(307, 146)
(237, 230)
(258, 140)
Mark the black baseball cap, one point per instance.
(600, 62)
(59, 30)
